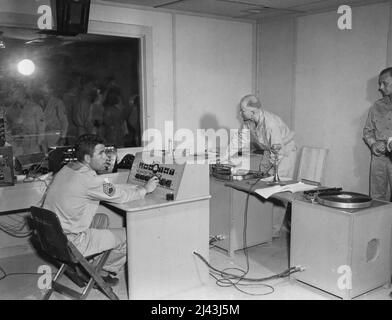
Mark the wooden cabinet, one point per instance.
(343, 252)
(227, 217)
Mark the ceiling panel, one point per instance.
(246, 9)
(214, 7)
(275, 3)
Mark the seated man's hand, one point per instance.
(151, 184)
(378, 148)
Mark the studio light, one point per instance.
(26, 67)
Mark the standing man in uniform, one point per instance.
(56, 121)
(74, 196)
(376, 132)
(26, 123)
(267, 133)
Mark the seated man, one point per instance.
(74, 196)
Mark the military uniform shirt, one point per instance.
(378, 126)
(270, 129)
(76, 191)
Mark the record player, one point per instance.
(337, 235)
(337, 198)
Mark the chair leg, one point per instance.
(94, 272)
(97, 268)
(98, 279)
(57, 275)
(87, 289)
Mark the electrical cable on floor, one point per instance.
(283, 274)
(15, 227)
(15, 230)
(5, 274)
(221, 283)
(227, 279)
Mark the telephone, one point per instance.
(126, 162)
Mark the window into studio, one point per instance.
(55, 88)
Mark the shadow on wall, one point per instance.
(372, 92)
(361, 155)
(209, 121)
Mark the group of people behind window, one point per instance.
(39, 116)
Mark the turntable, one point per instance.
(340, 236)
(344, 200)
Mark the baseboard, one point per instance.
(16, 250)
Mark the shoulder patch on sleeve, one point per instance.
(109, 188)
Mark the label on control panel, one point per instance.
(169, 175)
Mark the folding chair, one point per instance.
(312, 164)
(50, 235)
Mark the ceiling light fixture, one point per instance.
(26, 67)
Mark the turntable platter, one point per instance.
(345, 200)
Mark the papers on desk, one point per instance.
(294, 187)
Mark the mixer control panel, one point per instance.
(169, 175)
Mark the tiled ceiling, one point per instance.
(246, 9)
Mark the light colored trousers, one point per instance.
(286, 166)
(99, 238)
(380, 177)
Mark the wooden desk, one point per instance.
(21, 196)
(228, 204)
(162, 236)
(248, 185)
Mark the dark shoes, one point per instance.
(109, 280)
(79, 278)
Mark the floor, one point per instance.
(264, 260)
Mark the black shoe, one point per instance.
(77, 277)
(109, 280)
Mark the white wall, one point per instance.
(213, 61)
(276, 63)
(200, 67)
(336, 82)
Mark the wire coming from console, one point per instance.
(227, 279)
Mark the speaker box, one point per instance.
(344, 252)
(72, 16)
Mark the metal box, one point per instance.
(344, 252)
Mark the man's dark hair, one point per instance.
(86, 144)
(386, 70)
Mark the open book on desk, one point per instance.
(294, 187)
